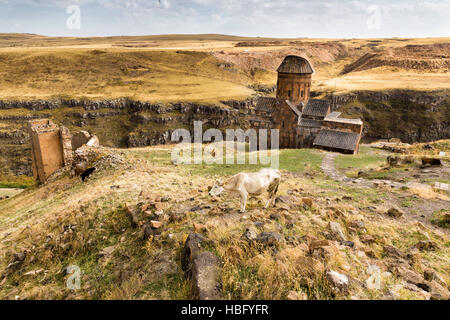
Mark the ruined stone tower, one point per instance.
(294, 80)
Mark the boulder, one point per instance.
(191, 249)
(205, 271)
(336, 231)
(79, 139)
(393, 252)
(437, 291)
(408, 275)
(357, 224)
(93, 142)
(367, 239)
(430, 275)
(250, 234)
(269, 238)
(395, 212)
(338, 282)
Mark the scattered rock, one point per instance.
(191, 249)
(395, 212)
(176, 216)
(250, 234)
(426, 245)
(269, 238)
(19, 256)
(107, 252)
(156, 224)
(437, 291)
(282, 199)
(325, 253)
(336, 231)
(393, 252)
(367, 239)
(430, 275)
(205, 271)
(134, 216)
(150, 232)
(318, 243)
(275, 216)
(357, 224)
(199, 227)
(408, 275)
(338, 282)
(294, 295)
(350, 244)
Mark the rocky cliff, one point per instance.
(412, 116)
(409, 115)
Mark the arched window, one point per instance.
(289, 93)
(282, 122)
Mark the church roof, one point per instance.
(337, 140)
(295, 64)
(317, 108)
(310, 123)
(266, 104)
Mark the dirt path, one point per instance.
(424, 208)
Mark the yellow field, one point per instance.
(207, 68)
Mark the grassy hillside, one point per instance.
(67, 222)
(141, 75)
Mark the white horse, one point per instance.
(254, 183)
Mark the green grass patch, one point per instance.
(365, 159)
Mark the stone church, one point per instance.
(305, 122)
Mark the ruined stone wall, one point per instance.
(46, 148)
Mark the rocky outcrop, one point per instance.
(412, 116)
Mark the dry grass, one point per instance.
(180, 68)
(160, 76)
(37, 221)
